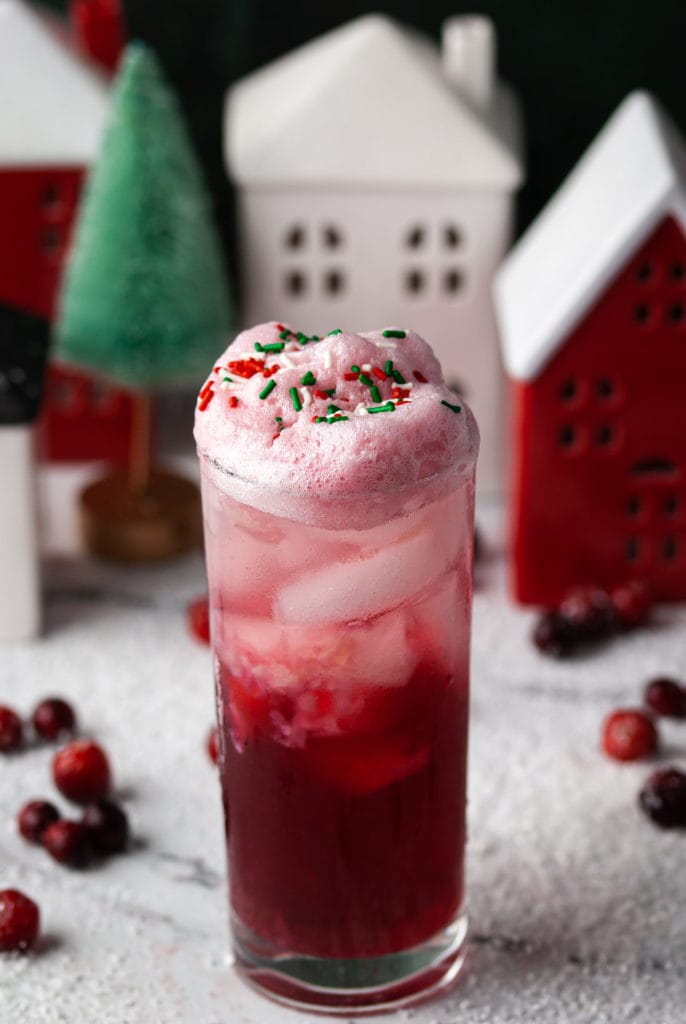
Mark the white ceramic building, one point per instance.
(375, 177)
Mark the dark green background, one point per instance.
(571, 63)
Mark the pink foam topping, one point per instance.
(264, 416)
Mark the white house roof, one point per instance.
(629, 178)
(52, 104)
(364, 104)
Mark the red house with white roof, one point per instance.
(592, 313)
(53, 107)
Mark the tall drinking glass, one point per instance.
(340, 631)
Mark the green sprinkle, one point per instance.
(388, 367)
(295, 399)
(338, 419)
(268, 388)
(279, 419)
(333, 408)
(285, 335)
(375, 393)
(337, 331)
(388, 407)
(455, 408)
(364, 379)
(329, 391)
(226, 380)
(394, 334)
(275, 346)
(321, 419)
(302, 338)
(258, 347)
(309, 378)
(398, 377)
(355, 369)
(315, 337)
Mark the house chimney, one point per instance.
(468, 54)
(98, 27)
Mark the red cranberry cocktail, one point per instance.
(338, 507)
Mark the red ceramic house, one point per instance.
(53, 106)
(592, 312)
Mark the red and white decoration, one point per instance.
(592, 311)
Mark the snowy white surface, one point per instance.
(577, 904)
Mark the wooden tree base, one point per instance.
(125, 525)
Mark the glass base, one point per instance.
(346, 987)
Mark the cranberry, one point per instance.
(555, 635)
(212, 745)
(663, 798)
(108, 826)
(19, 921)
(34, 818)
(665, 697)
(629, 734)
(69, 842)
(11, 730)
(198, 619)
(588, 610)
(632, 602)
(52, 717)
(82, 772)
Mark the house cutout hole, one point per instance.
(333, 282)
(677, 271)
(415, 282)
(632, 549)
(16, 375)
(644, 272)
(569, 390)
(567, 437)
(50, 240)
(654, 466)
(641, 313)
(605, 388)
(416, 237)
(633, 506)
(670, 549)
(452, 281)
(676, 312)
(332, 236)
(295, 283)
(51, 196)
(605, 435)
(296, 236)
(671, 505)
(452, 237)
(65, 396)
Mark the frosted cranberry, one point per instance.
(81, 772)
(589, 611)
(665, 697)
(212, 745)
(108, 826)
(198, 619)
(628, 735)
(11, 730)
(663, 798)
(34, 818)
(554, 635)
(53, 717)
(19, 921)
(632, 602)
(69, 843)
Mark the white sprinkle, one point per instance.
(383, 344)
(247, 355)
(225, 385)
(361, 409)
(407, 384)
(306, 397)
(367, 367)
(287, 363)
(328, 359)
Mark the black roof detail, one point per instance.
(23, 352)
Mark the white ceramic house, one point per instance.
(375, 177)
(52, 106)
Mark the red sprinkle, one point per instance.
(321, 394)
(246, 367)
(379, 373)
(281, 328)
(205, 399)
(233, 401)
(351, 376)
(419, 376)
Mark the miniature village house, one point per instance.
(592, 310)
(53, 107)
(375, 183)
